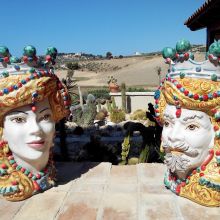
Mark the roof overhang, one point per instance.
(207, 14)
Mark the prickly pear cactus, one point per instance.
(85, 116)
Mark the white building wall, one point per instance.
(135, 100)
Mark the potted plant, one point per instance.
(113, 85)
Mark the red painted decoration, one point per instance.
(6, 59)
(183, 184)
(25, 59)
(14, 165)
(196, 96)
(213, 110)
(186, 55)
(209, 157)
(38, 176)
(178, 189)
(201, 174)
(10, 89)
(178, 113)
(33, 108)
(186, 92)
(178, 86)
(48, 58)
(215, 95)
(11, 157)
(23, 169)
(217, 153)
(205, 97)
(14, 182)
(19, 85)
(3, 166)
(211, 151)
(203, 167)
(35, 58)
(36, 186)
(194, 172)
(216, 128)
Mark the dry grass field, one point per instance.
(134, 71)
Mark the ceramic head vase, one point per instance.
(187, 104)
(32, 99)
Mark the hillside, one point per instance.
(134, 71)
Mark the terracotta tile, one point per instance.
(154, 189)
(98, 173)
(157, 207)
(65, 187)
(41, 206)
(90, 187)
(120, 206)
(68, 171)
(191, 210)
(111, 214)
(151, 173)
(9, 209)
(124, 174)
(121, 188)
(78, 211)
(80, 205)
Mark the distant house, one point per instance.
(207, 16)
(137, 53)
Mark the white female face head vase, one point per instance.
(30, 134)
(186, 139)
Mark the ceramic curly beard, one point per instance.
(25, 87)
(187, 105)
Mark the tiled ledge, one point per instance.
(88, 191)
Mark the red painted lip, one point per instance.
(36, 144)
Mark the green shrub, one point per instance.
(100, 93)
(134, 89)
(139, 115)
(117, 115)
(72, 65)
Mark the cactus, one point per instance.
(85, 115)
(108, 104)
(125, 150)
(117, 115)
(123, 97)
(99, 104)
(113, 103)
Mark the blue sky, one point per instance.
(97, 26)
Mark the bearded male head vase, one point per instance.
(187, 104)
(32, 99)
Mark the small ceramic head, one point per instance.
(187, 105)
(32, 99)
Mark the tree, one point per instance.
(158, 70)
(109, 55)
(72, 66)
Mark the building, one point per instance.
(207, 16)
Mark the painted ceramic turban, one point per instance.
(190, 84)
(30, 80)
